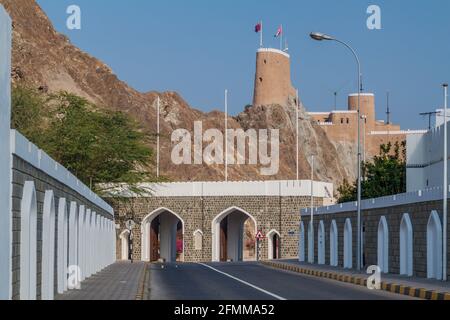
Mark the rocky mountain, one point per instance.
(45, 59)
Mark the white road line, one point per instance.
(244, 282)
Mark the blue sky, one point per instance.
(200, 47)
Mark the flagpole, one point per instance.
(261, 35)
(297, 135)
(281, 39)
(226, 136)
(157, 139)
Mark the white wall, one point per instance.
(5, 155)
(425, 159)
(242, 188)
(27, 151)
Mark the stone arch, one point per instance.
(348, 244)
(73, 234)
(146, 235)
(81, 239)
(62, 245)
(48, 247)
(216, 229)
(406, 246)
(274, 240)
(333, 244)
(434, 247)
(383, 245)
(85, 249)
(198, 240)
(28, 242)
(124, 245)
(301, 243)
(91, 253)
(310, 242)
(321, 243)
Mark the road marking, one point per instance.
(244, 282)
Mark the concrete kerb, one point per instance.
(143, 284)
(420, 293)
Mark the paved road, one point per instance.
(248, 281)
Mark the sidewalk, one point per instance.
(120, 281)
(410, 286)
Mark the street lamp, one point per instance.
(320, 37)
(364, 153)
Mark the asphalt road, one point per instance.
(249, 281)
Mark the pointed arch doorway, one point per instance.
(162, 236)
(233, 236)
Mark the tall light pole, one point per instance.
(364, 153)
(444, 255)
(311, 226)
(320, 37)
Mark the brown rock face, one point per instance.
(47, 60)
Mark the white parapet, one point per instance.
(239, 188)
(5, 156)
(432, 194)
(29, 152)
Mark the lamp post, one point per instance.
(364, 153)
(320, 37)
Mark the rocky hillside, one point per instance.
(45, 59)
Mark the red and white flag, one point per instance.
(258, 27)
(279, 32)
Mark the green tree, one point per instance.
(98, 147)
(383, 176)
(27, 114)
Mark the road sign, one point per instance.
(130, 224)
(259, 235)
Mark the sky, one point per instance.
(199, 48)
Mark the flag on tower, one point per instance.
(258, 27)
(279, 32)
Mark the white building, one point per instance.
(425, 159)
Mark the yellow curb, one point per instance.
(434, 295)
(422, 293)
(394, 288)
(402, 290)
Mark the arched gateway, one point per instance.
(228, 235)
(217, 221)
(162, 236)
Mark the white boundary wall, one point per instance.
(251, 188)
(5, 155)
(432, 194)
(27, 151)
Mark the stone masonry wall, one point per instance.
(419, 214)
(22, 172)
(279, 213)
